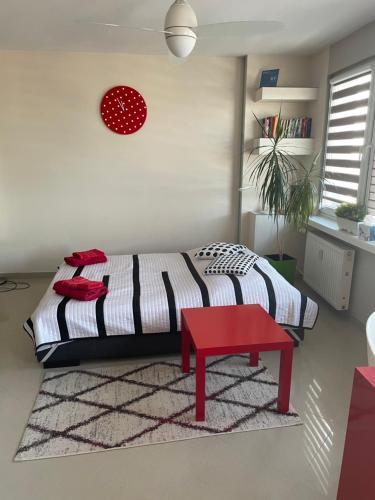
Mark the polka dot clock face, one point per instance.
(123, 110)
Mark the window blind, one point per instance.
(347, 123)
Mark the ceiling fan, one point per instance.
(181, 29)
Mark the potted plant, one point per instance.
(287, 188)
(349, 215)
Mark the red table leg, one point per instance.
(200, 388)
(254, 359)
(185, 347)
(285, 376)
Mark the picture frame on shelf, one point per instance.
(269, 78)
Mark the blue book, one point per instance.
(269, 78)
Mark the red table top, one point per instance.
(235, 327)
(368, 372)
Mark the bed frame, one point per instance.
(122, 346)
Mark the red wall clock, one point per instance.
(123, 110)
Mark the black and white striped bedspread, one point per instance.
(147, 293)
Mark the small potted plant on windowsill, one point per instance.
(348, 216)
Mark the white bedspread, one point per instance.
(148, 291)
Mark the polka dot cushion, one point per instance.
(213, 250)
(238, 264)
(243, 249)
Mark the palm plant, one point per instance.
(286, 186)
(304, 194)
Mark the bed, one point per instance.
(141, 313)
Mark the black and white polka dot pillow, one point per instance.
(242, 249)
(213, 250)
(238, 264)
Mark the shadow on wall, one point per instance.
(50, 257)
(46, 256)
(260, 236)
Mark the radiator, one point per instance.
(328, 269)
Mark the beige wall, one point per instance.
(68, 183)
(295, 71)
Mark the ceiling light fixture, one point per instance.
(182, 31)
(180, 37)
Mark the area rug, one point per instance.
(81, 411)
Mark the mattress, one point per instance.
(147, 292)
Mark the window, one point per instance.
(348, 153)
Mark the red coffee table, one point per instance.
(216, 331)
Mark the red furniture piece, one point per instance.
(215, 331)
(358, 464)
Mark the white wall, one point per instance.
(68, 183)
(319, 64)
(351, 50)
(356, 47)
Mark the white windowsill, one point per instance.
(329, 226)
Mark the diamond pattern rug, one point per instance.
(82, 411)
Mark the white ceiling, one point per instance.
(57, 24)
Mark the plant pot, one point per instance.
(350, 226)
(286, 267)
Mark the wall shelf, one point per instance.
(292, 147)
(330, 227)
(289, 94)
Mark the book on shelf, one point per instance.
(292, 128)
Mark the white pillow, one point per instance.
(213, 250)
(238, 264)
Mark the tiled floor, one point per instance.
(296, 463)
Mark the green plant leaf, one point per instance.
(351, 211)
(285, 186)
